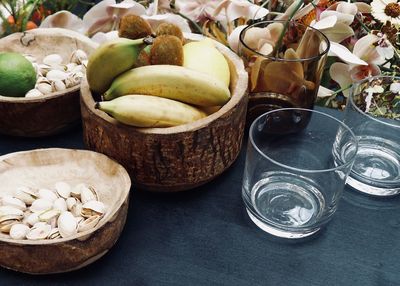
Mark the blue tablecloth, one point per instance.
(204, 237)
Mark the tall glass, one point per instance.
(373, 113)
(284, 78)
(292, 182)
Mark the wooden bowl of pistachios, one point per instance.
(59, 57)
(60, 209)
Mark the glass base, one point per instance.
(278, 232)
(376, 170)
(285, 205)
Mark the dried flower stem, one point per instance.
(285, 27)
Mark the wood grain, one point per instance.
(177, 158)
(36, 117)
(42, 169)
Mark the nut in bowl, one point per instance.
(60, 209)
(48, 100)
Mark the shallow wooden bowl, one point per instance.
(176, 158)
(53, 113)
(43, 168)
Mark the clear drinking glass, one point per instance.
(292, 182)
(284, 77)
(373, 113)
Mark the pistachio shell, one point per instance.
(77, 190)
(70, 67)
(10, 210)
(92, 208)
(26, 194)
(53, 59)
(60, 204)
(34, 93)
(32, 219)
(63, 189)
(58, 85)
(38, 231)
(19, 231)
(44, 69)
(67, 224)
(89, 223)
(47, 195)
(88, 194)
(13, 202)
(44, 88)
(56, 75)
(78, 57)
(10, 217)
(48, 215)
(76, 209)
(6, 225)
(41, 205)
(70, 203)
(54, 233)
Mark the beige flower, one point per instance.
(386, 10)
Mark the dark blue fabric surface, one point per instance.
(204, 237)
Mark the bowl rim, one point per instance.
(54, 32)
(239, 90)
(78, 236)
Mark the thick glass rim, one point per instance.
(340, 123)
(241, 42)
(369, 116)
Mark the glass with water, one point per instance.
(296, 167)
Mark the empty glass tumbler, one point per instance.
(373, 113)
(293, 179)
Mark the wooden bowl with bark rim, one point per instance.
(42, 168)
(175, 158)
(52, 113)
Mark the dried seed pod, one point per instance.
(44, 69)
(169, 29)
(5, 225)
(70, 67)
(19, 231)
(134, 27)
(77, 190)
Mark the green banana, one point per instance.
(111, 59)
(173, 82)
(150, 111)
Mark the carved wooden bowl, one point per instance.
(176, 158)
(55, 112)
(42, 169)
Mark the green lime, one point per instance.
(17, 75)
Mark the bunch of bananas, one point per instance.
(158, 95)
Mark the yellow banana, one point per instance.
(173, 82)
(213, 64)
(150, 111)
(111, 59)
